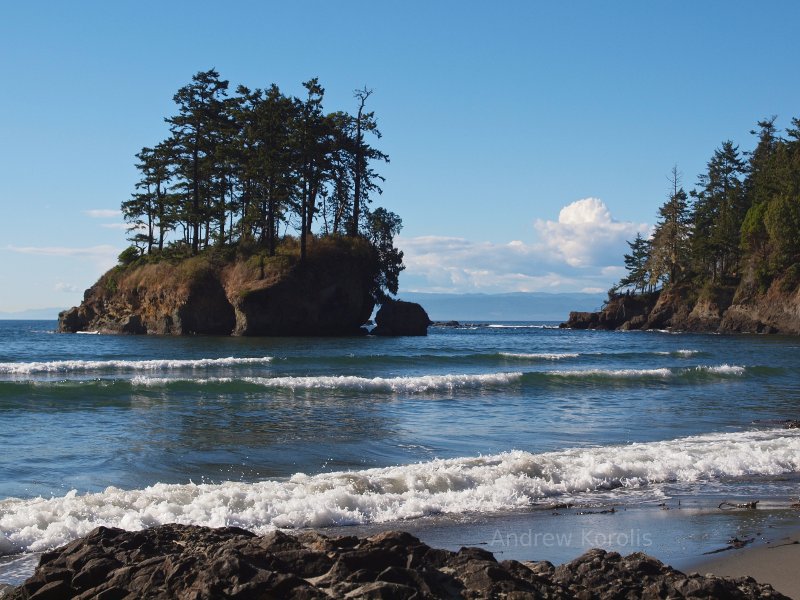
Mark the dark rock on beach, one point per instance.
(396, 317)
(185, 561)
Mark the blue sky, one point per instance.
(528, 140)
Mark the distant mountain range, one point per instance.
(33, 314)
(517, 306)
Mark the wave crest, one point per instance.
(472, 484)
(64, 366)
(422, 383)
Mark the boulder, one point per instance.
(397, 317)
(73, 320)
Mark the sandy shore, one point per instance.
(775, 562)
(680, 537)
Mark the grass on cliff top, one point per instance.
(243, 262)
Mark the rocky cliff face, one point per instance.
(329, 294)
(726, 309)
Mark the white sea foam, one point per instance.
(622, 373)
(722, 369)
(660, 372)
(540, 356)
(681, 352)
(63, 366)
(453, 486)
(422, 383)
(498, 326)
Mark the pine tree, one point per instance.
(196, 135)
(311, 144)
(669, 251)
(364, 177)
(382, 226)
(636, 263)
(151, 208)
(719, 211)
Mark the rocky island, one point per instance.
(209, 224)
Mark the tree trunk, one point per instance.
(195, 200)
(357, 175)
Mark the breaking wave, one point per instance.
(662, 373)
(481, 484)
(540, 355)
(423, 383)
(68, 366)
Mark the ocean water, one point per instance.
(465, 426)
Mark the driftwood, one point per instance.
(734, 544)
(746, 505)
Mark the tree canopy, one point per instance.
(251, 166)
(743, 215)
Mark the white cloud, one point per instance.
(102, 213)
(66, 287)
(103, 256)
(586, 234)
(581, 251)
(446, 264)
(124, 226)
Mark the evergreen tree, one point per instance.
(636, 263)
(364, 177)
(151, 208)
(719, 211)
(382, 226)
(268, 171)
(311, 145)
(669, 251)
(196, 135)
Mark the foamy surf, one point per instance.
(540, 355)
(501, 326)
(66, 366)
(663, 373)
(414, 384)
(422, 383)
(684, 353)
(481, 484)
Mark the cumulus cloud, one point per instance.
(581, 251)
(586, 234)
(102, 213)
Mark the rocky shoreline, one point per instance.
(718, 309)
(186, 561)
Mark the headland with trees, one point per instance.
(726, 255)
